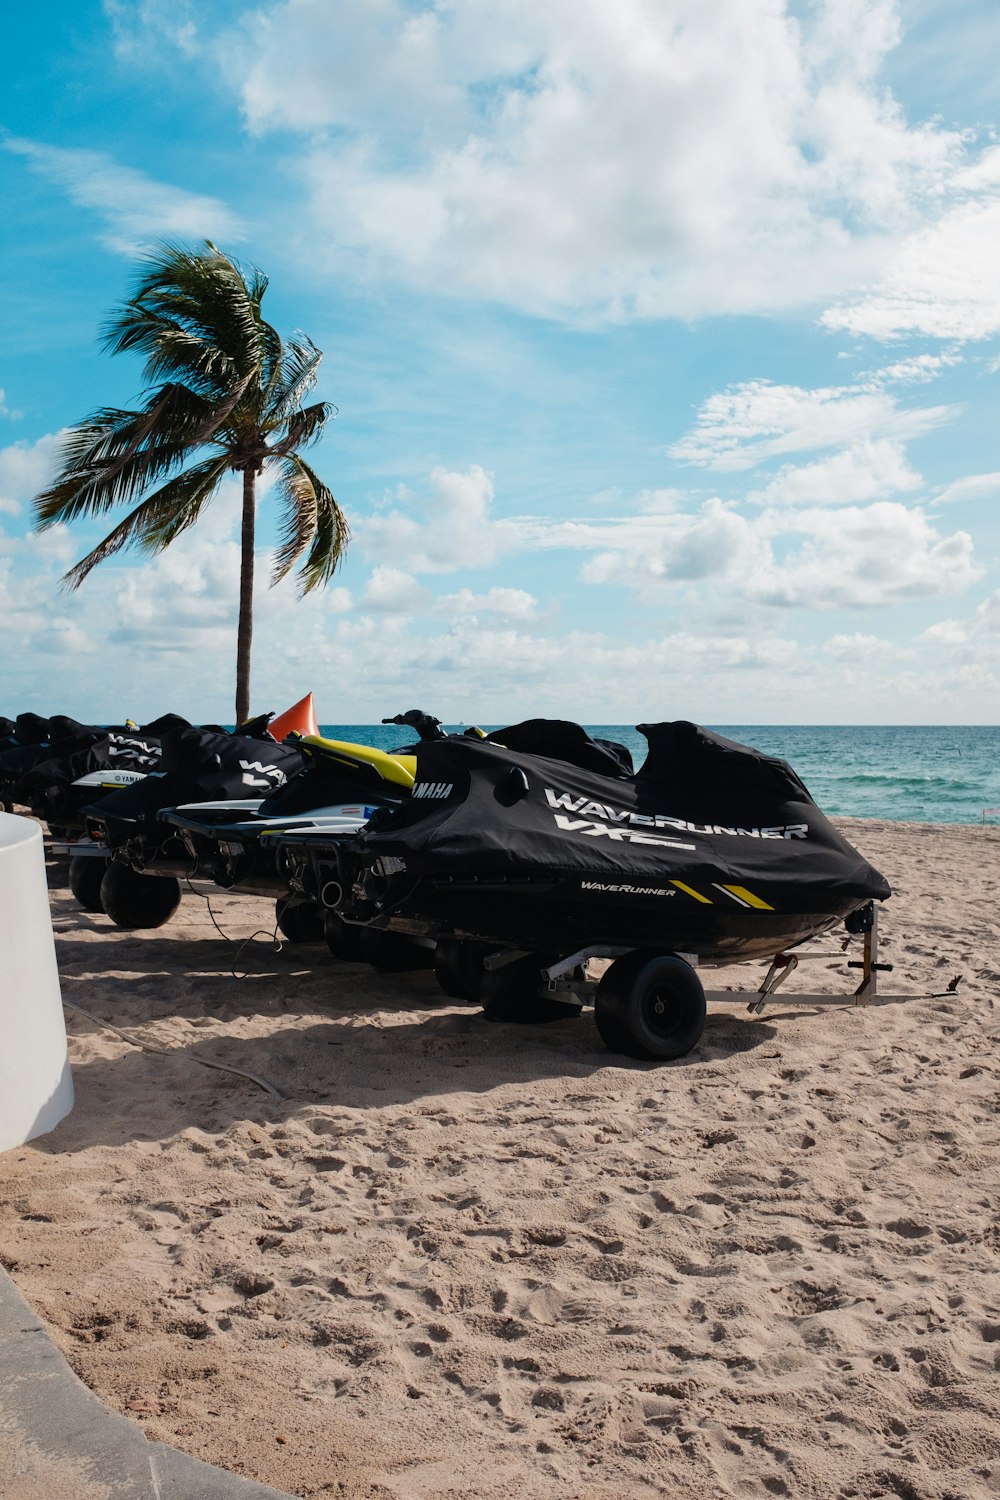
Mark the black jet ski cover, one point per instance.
(198, 765)
(17, 766)
(563, 740)
(31, 729)
(48, 787)
(712, 848)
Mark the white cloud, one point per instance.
(583, 160)
(717, 543)
(395, 592)
(659, 502)
(879, 555)
(451, 527)
(983, 624)
(816, 560)
(987, 618)
(943, 281)
(869, 470)
(972, 487)
(918, 369)
(136, 209)
(141, 27)
(862, 649)
(25, 468)
(500, 602)
(746, 424)
(339, 601)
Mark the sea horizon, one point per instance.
(920, 773)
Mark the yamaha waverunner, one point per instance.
(518, 858)
(130, 865)
(58, 790)
(36, 740)
(338, 789)
(200, 837)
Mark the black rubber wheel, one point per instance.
(298, 921)
(342, 938)
(651, 1006)
(458, 968)
(86, 873)
(514, 993)
(393, 952)
(136, 901)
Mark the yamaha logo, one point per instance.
(433, 788)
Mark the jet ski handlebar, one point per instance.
(426, 726)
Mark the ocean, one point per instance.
(906, 773)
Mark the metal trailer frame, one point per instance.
(82, 848)
(560, 986)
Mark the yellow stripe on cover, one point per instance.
(689, 891)
(399, 769)
(742, 894)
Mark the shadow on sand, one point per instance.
(368, 1052)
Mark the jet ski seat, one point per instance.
(364, 761)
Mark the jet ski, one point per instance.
(59, 788)
(140, 862)
(338, 789)
(519, 857)
(208, 831)
(35, 740)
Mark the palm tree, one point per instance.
(223, 393)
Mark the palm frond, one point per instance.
(303, 427)
(312, 519)
(205, 295)
(294, 377)
(116, 454)
(172, 349)
(154, 523)
(98, 488)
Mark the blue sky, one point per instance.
(664, 337)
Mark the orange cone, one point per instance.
(299, 719)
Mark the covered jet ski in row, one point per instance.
(59, 788)
(515, 859)
(191, 821)
(195, 763)
(129, 864)
(34, 741)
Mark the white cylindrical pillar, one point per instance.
(36, 1086)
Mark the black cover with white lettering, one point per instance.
(198, 765)
(28, 769)
(712, 848)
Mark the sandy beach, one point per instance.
(463, 1259)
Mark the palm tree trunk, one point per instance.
(244, 630)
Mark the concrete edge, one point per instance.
(57, 1439)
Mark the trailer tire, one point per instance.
(393, 952)
(342, 938)
(298, 921)
(86, 872)
(650, 1006)
(135, 901)
(511, 993)
(458, 968)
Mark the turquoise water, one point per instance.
(906, 773)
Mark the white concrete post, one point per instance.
(36, 1086)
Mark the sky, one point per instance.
(664, 338)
